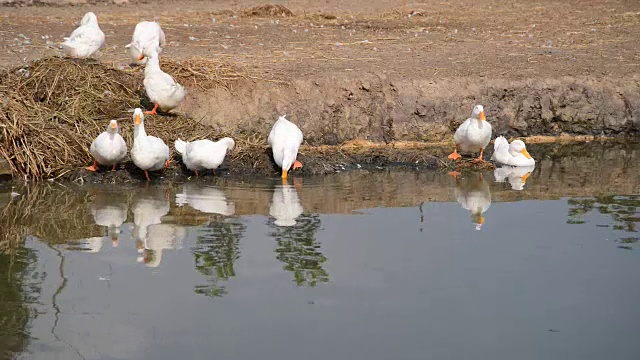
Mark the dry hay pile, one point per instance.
(53, 108)
(268, 10)
(204, 73)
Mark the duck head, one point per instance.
(89, 18)
(229, 143)
(138, 117)
(518, 147)
(478, 112)
(113, 127)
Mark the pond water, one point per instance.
(357, 265)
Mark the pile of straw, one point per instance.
(52, 109)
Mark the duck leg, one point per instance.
(454, 155)
(93, 167)
(479, 159)
(146, 173)
(153, 111)
(213, 171)
(113, 168)
(167, 163)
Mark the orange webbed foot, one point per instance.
(168, 162)
(455, 174)
(454, 156)
(93, 167)
(153, 111)
(297, 165)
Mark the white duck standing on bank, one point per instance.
(109, 148)
(161, 88)
(85, 40)
(285, 139)
(285, 205)
(204, 154)
(206, 199)
(514, 154)
(149, 153)
(474, 195)
(147, 36)
(516, 175)
(473, 135)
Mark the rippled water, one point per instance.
(358, 265)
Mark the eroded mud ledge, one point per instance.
(332, 110)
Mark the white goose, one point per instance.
(473, 135)
(474, 195)
(207, 199)
(285, 139)
(109, 148)
(204, 154)
(147, 37)
(85, 40)
(149, 153)
(161, 88)
(514, 154)
(285, 205)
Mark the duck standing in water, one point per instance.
(161, 88)
(85, 40)
(285, 139)
(149, 153)
(108, 148)
(147, 36)
(514, 154)
(473, 135)
(204, 154)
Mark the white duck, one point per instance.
(473, 135)
(474, 194)
(85, 40)
(516, 175)
(204, 154)
(514, 154)
(206, 199)
(149, 206)
(161, 88)
(285, 205)
(149, 153)
(109, 148)
(285, 139)
(161, 237)
(147, 37)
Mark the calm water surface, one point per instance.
(387, 265)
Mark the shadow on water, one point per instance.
(212, 220)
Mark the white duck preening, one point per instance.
(85, 40)
(147, 36)
(516, 175)
(473, 135)
(514, 154)
(473, 194)
(207, 199)
(204, 154)
(285, 139)
(109, 148)
(149, 153)
(285, 205)
(161, 88)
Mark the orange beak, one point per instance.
(525, 177)
(137, 121)
(481, 116)
(480, 219)
(525, 153)
(141, 57)
(114, 126)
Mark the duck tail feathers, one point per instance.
(499, 142)
(181, 146)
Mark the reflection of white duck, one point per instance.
(207, 199)
(85, 40)
(285, 205)
(516, 175)
(474, 195)
(111, 212)
(161, 237)
(147, 37)
(514, 154)
(148, 209)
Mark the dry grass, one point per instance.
(267, 10)
(205, 73)
(54, 108)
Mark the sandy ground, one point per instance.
(430, 39)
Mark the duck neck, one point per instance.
(153, 64)
(138, 131)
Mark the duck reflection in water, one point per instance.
(516, 176)
(285, 205)
(206, 199)
(473, 194)
(151, 235)
(109, 209)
